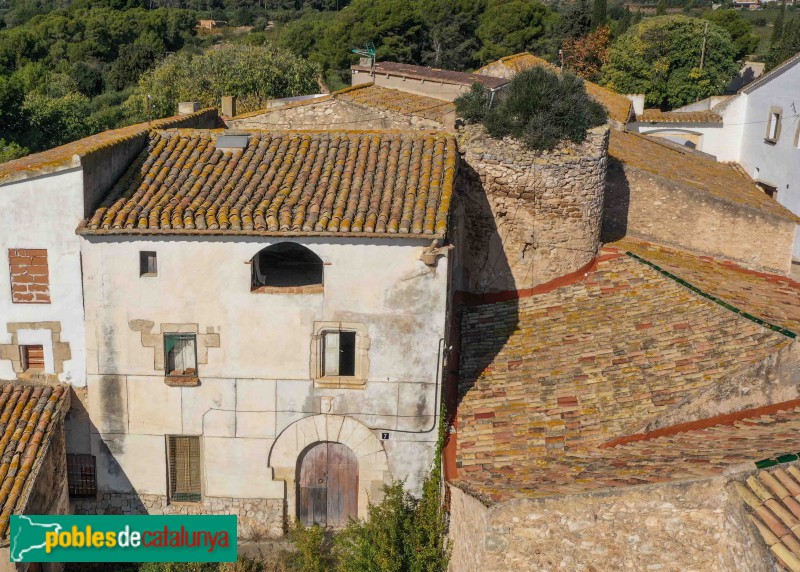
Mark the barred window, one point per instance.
(181, 353)
(81, 475)
(183, 460)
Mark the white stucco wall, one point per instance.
(776, 164)
(43, 212)
(258, 381)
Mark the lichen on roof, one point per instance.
(658, 116)
(365, 183)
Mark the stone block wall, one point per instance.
(331, 113)
(699, 526)
(644, 205)
(522, 217)
(257, 518)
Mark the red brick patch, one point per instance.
(30, 280)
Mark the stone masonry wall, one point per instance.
(656, 209)
(697, 526)
(525, 217)
(331, 114)
(258, 518)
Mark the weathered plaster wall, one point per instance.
(42, 213)
(49, 493)
(332, 114)
(429, 87)
(257, 518)
(695, 526)
(523, 218)
(256, 376)
(644, 205)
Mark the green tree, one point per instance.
(740, 30)
(134, 59)
(539, 107)
(787, 46)
(625, 21)
(599, 13)
(660, 57)
(55, 121)
(777, 28)
(253, 73)
(512, 26)
(10, 150)
(577, 22)
(661, 7)
(451, 32)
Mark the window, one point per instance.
(148, 264)
(32, 358)
(183, 468)
(181, 355)
(774, 125)
(286, 267)
(30, 279)
(81, 475)
(770, 190)
(339, 353)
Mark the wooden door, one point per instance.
(327, 492)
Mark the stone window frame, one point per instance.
(773, 111)
(13, 351)
(203, 342)
(357, 381)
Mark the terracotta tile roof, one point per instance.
(69, 155)
(28, 416)
(434, 74)
(371, 183)
(397, 101)
(658, 116)
(546, 379)
(619, 107)
(773, 298)
(690, 169)
(773, 499)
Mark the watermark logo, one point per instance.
(141, 538)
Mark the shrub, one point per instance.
(313, 549)
(539, 107)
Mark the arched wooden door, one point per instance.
(327, 492)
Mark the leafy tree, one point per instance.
(55, 121)
(134, 59)
(577, 22)
(587, 56)
(451, 33)
(87, 79)
(625, 21)
(539, 107)
(777, 29)
(598, 13)
(661, 7)
(12, 117)
(660, 57)
(512, 26)
(10, 150)
(787, 46)
(253, 73)
(740, 29)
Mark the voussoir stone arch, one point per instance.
(373, 464)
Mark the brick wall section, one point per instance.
(695, 525)
(526, 217)
(30, 280)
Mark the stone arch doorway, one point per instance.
(327, 485)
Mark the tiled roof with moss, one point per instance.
(773, 501)
(67, 156)
(546, 379)
(433, 74)
(687, 168)
(28, 417)
(402, 102)
(658, 116)
(618, 106)
(370, 183)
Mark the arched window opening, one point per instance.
(286, 266)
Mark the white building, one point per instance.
(759, 128)
(264, 327)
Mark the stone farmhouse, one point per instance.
(262, 314)
(758, 128)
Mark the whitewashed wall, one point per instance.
(258, 381)
(43, 212)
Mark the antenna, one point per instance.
(368, 52)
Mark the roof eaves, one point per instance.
(770, 75)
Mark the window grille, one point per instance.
(148, 264)
(339, 353)
(183, 455)
(181, 353)
(81, 475)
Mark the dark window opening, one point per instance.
(770, 190)
(148, 265)
(32, 358)
(81, 475)
(286, 265)
(184, 468)
(339, 354)
(181, 353)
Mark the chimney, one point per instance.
(229, 106)
(188, 107)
